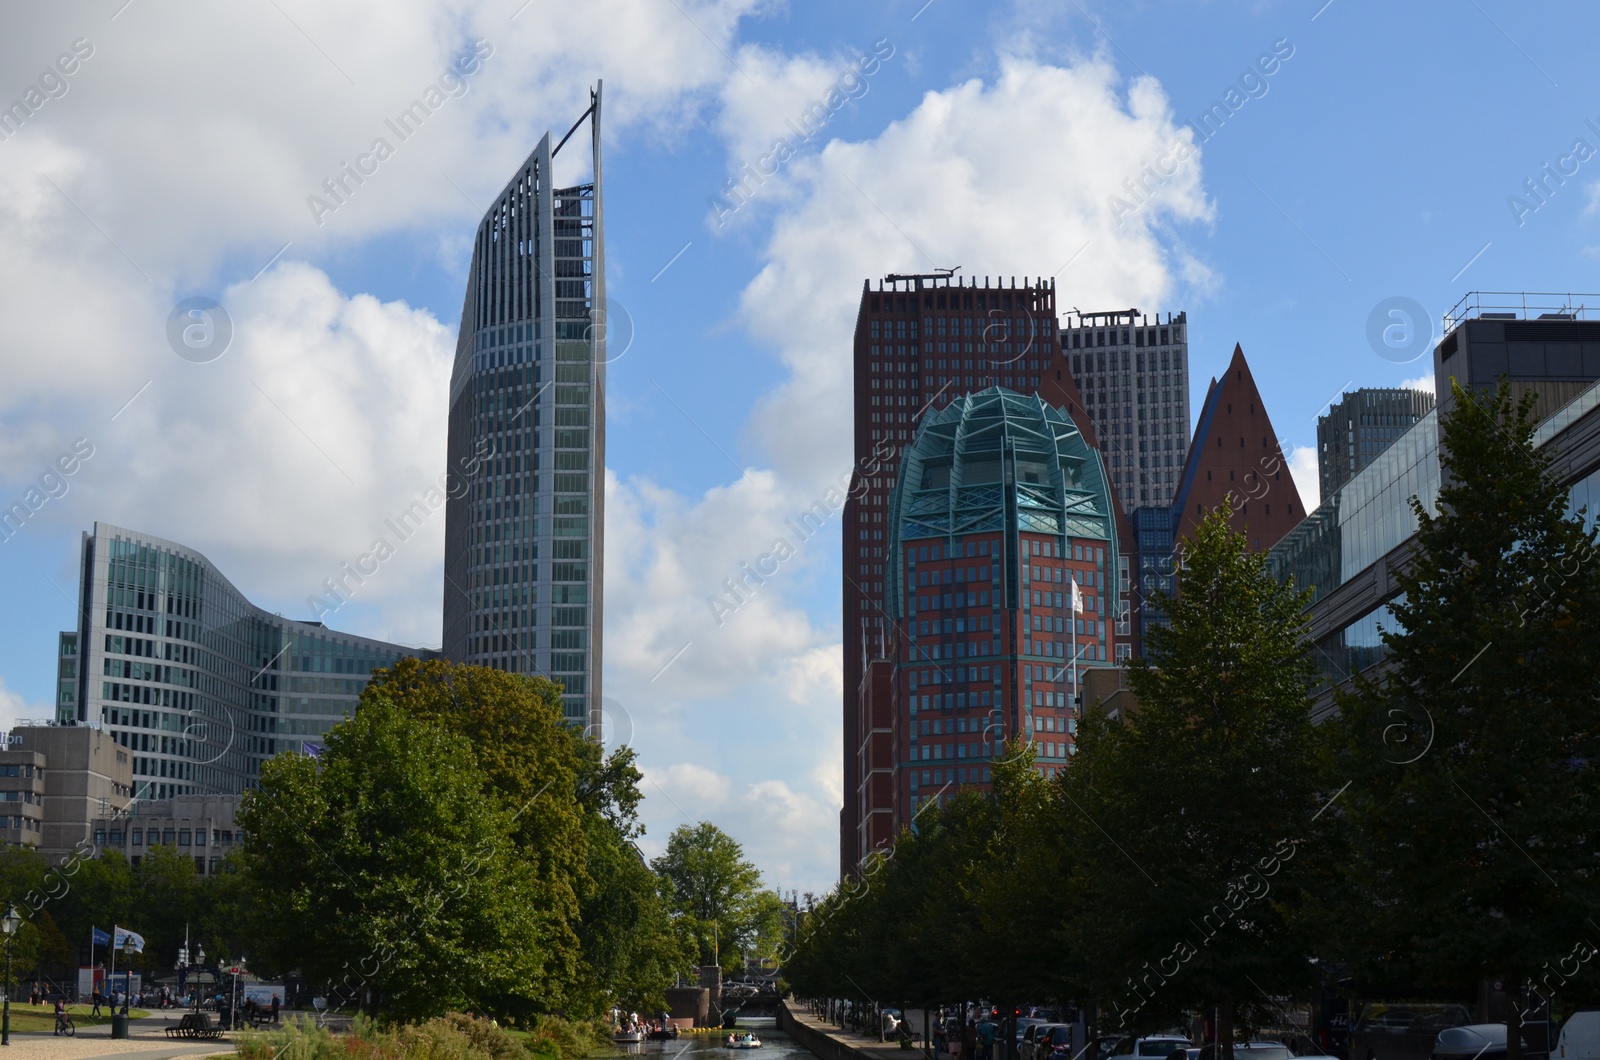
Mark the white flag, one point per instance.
(118, 934)
(1077, 598)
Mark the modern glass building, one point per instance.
(1000, 507)
(1345, 550)
(1358, 427)
(200, 685)
(524, 543)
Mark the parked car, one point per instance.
(1023, 1023)
(1262, 1051)
(1155, 1047)
(1403, 1032)
(1055, 1043)
(1037, 1040)
(1475, 1041)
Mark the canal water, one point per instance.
(775, 1045)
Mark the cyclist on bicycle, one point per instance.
(61, 1015)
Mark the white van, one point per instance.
(1580, 1037)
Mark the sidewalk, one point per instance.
(863, 1046)
(147, 1040)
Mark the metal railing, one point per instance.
(1523, 305)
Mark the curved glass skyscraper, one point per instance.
(199, 684)
(523, 546)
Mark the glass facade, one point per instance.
(200, 685)
(523, 540)
(1366, 519)
(1372, 515)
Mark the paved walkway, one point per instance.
(866, 1046)
(147, 1040)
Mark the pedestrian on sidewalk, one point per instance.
(95, 1011)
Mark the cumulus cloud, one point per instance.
(1025, 157)
(778, 826)
(1303, 466)
(13, 708)
(1425, 381)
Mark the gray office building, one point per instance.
(1360, 426)
(1133, 375)
(524, 541)
(198, 684)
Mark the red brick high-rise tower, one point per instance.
(921, 342)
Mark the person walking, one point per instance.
(275, 1002)
(95, 1011)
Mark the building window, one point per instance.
(183, 838)
(138, 837)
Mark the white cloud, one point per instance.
(778, 826)
(1025, 156)
(13, 708)
(1303, 466)
(1425, 381)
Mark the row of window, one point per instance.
(220, 837)
(1142, 336)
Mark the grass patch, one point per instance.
(41, 1019)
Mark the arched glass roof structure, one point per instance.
(999, 461)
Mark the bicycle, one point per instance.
(64, 1025)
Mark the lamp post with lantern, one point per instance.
(10, 924)
(119, 1020)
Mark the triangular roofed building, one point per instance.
(1235, 450)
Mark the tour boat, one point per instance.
(742, 1041)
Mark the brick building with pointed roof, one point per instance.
(1235, 450)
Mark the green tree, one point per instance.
(630, 951)
(391, 871)
(1186, 823)
(713, 894)
(1473, 753)
(539, 769)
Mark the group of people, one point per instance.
(628, 1022)
(972, 1039)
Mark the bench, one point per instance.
(195, 1025)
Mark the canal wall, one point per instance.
(825, 1044)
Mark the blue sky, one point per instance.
(1375, 162)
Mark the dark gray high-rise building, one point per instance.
(1360, 426)
(523, 544)
(1133, 373)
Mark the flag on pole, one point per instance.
(1077, 598)
(100, 937)
(124, 933)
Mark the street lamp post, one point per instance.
(9, 924)
(127, 959)
(200, 963)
